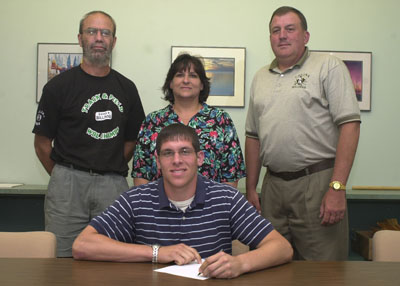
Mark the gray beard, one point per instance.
(96, 59)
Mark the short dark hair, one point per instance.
(97, 12)
(182, 63)
(287, 9)
(175, 132)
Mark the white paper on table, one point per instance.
(190, 270)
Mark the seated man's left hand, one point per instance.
(221, 265)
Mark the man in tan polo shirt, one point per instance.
(303, 124)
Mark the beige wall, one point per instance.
(147, 29)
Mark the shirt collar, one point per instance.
(273, 67)
(199, 198)
(163, 199)
(203, 110)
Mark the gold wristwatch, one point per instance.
(337, 186)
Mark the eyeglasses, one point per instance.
(184, 152)
(93, 31)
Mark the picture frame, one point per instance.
(53, 59)
(359, 66)
(225, 66)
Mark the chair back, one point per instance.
(386, 245)
(31, 244)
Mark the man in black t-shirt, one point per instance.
(86, 126)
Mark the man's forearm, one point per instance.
(43, 148)
(91, 245)
(47, 162)
(129, 146)
(346, 151)
(273, 250)
(253, 163)
(333, 205)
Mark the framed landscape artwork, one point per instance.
(226, 69)
(359, 65)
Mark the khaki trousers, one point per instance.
(293, 208)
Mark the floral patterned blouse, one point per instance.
(223, 157)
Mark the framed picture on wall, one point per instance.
(226, 69)
(359, 65)
(53, 59)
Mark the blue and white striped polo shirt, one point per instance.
(218, 214)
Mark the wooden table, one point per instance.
(66, 271)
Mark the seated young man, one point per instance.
(183, 217)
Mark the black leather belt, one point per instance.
(317, 167)
(90, 171)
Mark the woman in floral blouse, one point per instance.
(187, 88)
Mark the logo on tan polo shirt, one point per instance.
(300, 81)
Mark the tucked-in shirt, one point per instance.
(217, 215)
(296, 114)
(223, 157)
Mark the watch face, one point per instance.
(336, 186)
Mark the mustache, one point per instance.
(97, 44)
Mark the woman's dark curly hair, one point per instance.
(182, 63)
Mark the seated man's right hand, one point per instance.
(180, 254)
